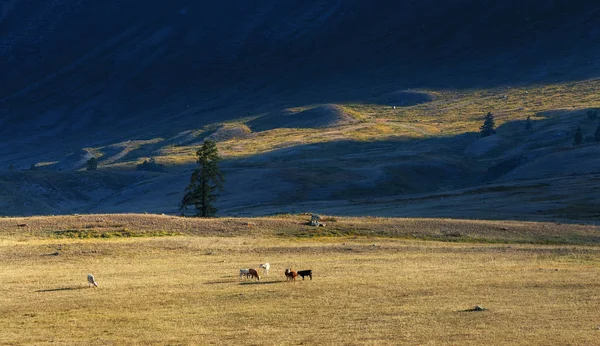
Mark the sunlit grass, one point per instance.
(368, 288)
(451, 112)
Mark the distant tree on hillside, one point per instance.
(92, 164)
(487, 129)
(597, 133)
(528, 124)
(578, 136)
(592, 114)
(206, 180)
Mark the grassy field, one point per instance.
(170, 280)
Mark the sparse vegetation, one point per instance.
(488, 127)
(295, 226)
(150, 165)
(205, 182)
(119, 233)
(578, 139)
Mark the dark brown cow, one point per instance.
(253, 274)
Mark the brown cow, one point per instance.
(253, 274)
(291, 274)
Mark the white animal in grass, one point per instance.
(92, 281)
(265, 267)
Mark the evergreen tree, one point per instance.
(528, 124)
(487, 129)
(92, 164)
(205, 181)
(578, 136)
(597, 133)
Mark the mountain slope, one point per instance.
(326, 100)
(70, 65)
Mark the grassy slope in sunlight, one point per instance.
(451, 112)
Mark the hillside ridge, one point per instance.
(335, 106)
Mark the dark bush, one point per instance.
(150, 165)
(92, 164)
(578, 136)
(592, 114)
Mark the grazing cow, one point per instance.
(265, 267)
(244, 272)
(290, 275)
(92, 281)
(253, 274)
(304, 273)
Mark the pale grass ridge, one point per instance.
(286, 225)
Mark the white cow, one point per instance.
(265, 267)
(92, 281)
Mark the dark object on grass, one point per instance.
(304, 273)
(253, 274)
(476, 308)
(487, 129)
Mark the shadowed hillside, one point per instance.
(346, 106)
(65, 71)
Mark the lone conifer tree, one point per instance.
(528, 124)
(205, 181)
(487, 129)
(92, 164)
(578, 136)
(597, 133)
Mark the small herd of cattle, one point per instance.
(246, 273)
(289, 273)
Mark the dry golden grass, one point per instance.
(142, 225)
(367, 289)
(458, 111)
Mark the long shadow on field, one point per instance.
(261, 282)
(61, 289)
(217, 282)
(243, 282)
